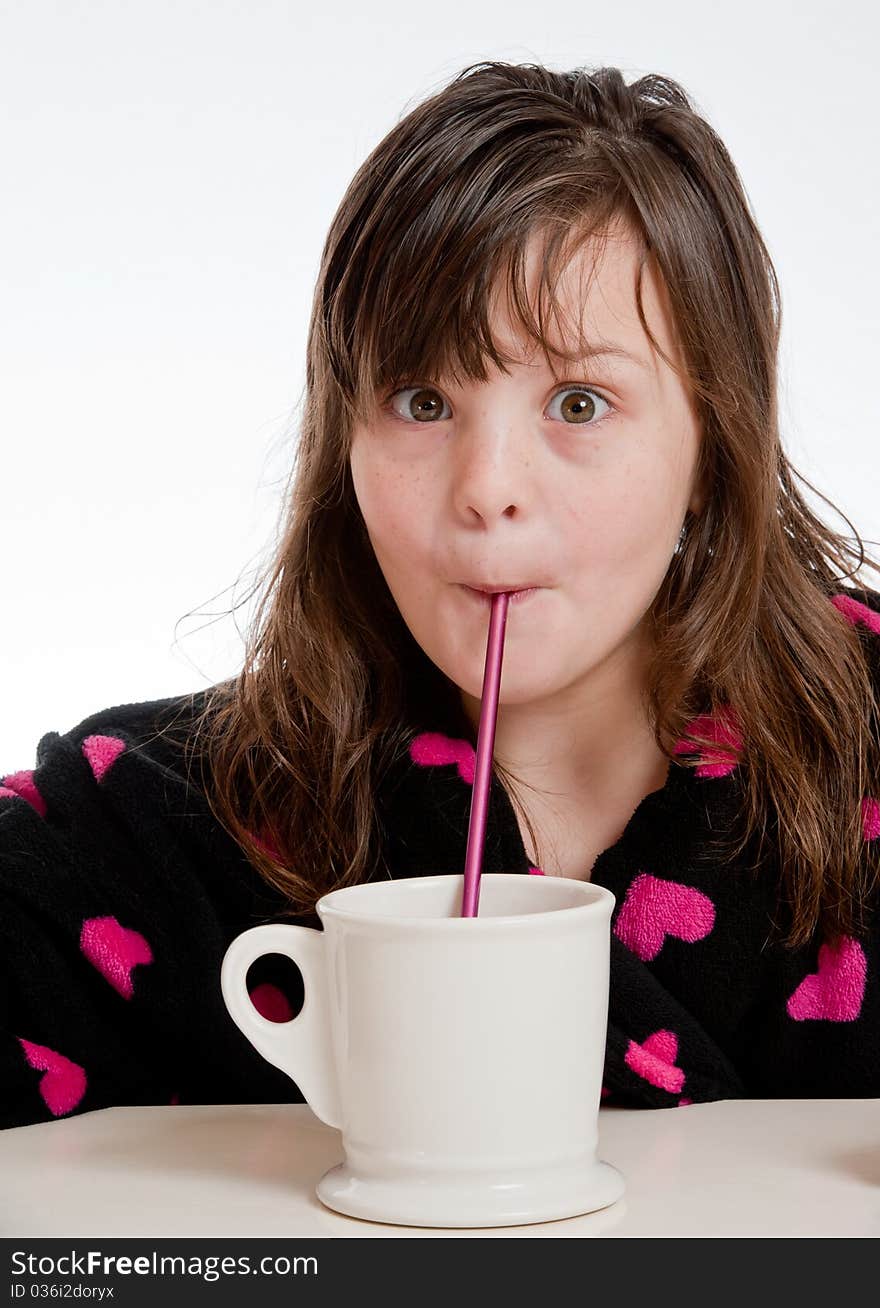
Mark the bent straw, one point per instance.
(473, 860)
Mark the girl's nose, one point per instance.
(492, 471)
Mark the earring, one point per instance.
(680, 542)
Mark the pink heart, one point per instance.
(268, 846)
(836, 991)
(655, 908)
(856, 612)
(722, 728)
(870, 818)
(432, 749)
(654, 1060)
(101, 752)
(64, 1084)
(22, 784)
(536, 872)
(271, 1002)
(114, 950)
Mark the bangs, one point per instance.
(430, 320)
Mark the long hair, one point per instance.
(293, 748)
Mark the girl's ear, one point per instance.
(697, 502)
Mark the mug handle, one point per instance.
(302, 1047)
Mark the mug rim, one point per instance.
(602, 899)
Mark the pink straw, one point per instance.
(473, 861)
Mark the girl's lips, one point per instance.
(516, 596)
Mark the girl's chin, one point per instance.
(524, 680)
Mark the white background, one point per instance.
(169, 170)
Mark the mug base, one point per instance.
(468, 1201)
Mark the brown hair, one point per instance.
(294, 747)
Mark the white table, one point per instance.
(761, 1167)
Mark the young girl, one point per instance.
(558, 273)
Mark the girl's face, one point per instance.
(577, 487)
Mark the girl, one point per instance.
(559, 273)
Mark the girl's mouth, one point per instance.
(516, 596)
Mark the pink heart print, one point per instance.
(433, 749)
(271, 1002)
(267, 844)
(114, 950)
(870, 818)
(654, 1060)
(101, 753)
(836, 991)
(722, 728)
(22, 784)
(64, 1083)
(655, 908)
(857, 613)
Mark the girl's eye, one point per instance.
(579, 405)
(428, 405)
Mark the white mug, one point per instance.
(461, 1057)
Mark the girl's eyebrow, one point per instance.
(617, 351)
(590, 352)
(593, 352)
